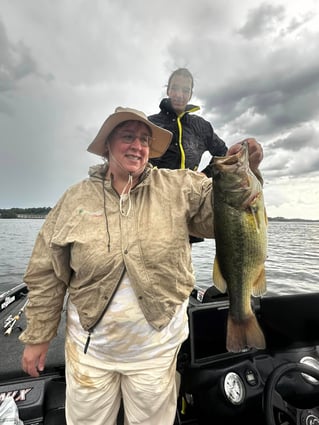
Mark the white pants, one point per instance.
(95, 388)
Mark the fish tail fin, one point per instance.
(244, 334)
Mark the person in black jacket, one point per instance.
(192, 134)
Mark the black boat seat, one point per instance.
(54, 403)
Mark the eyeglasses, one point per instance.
(130, 138)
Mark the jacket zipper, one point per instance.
(180, 135)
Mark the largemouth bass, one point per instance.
(240, 223)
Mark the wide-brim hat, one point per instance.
(161, 137)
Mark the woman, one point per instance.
(117, 243)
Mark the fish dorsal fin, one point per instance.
(259, 288)
(218, 279)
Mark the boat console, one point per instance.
(222, 387)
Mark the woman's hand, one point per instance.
(33, 358)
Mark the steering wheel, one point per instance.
(272, 399)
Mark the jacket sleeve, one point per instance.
(208, 169)
(47, 276)
(215, 145)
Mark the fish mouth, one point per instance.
(240, 187)
(232, 159)
(236, 158)
(233, 166)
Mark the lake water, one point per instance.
(292, 265)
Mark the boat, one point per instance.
(274, 386)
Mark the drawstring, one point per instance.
(106, 220)
(126, 197)
(123, 198)
(87, 342)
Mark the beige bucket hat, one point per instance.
(161, 136)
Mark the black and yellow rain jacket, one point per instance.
(192, 136)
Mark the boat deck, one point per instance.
(10, 365)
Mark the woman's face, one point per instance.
(180, 92)
(129, 148)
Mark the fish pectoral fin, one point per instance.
(218, 279)
(259, 287)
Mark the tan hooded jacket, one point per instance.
(86, 244)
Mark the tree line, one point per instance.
(15, 212)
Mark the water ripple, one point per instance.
(17, 238)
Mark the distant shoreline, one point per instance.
(292, 219)
(41, 213)
(14, 213)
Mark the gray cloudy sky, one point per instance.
(66, 64)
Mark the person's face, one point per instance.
(180, 92)
(129, 148)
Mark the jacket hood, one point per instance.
(98, 171)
